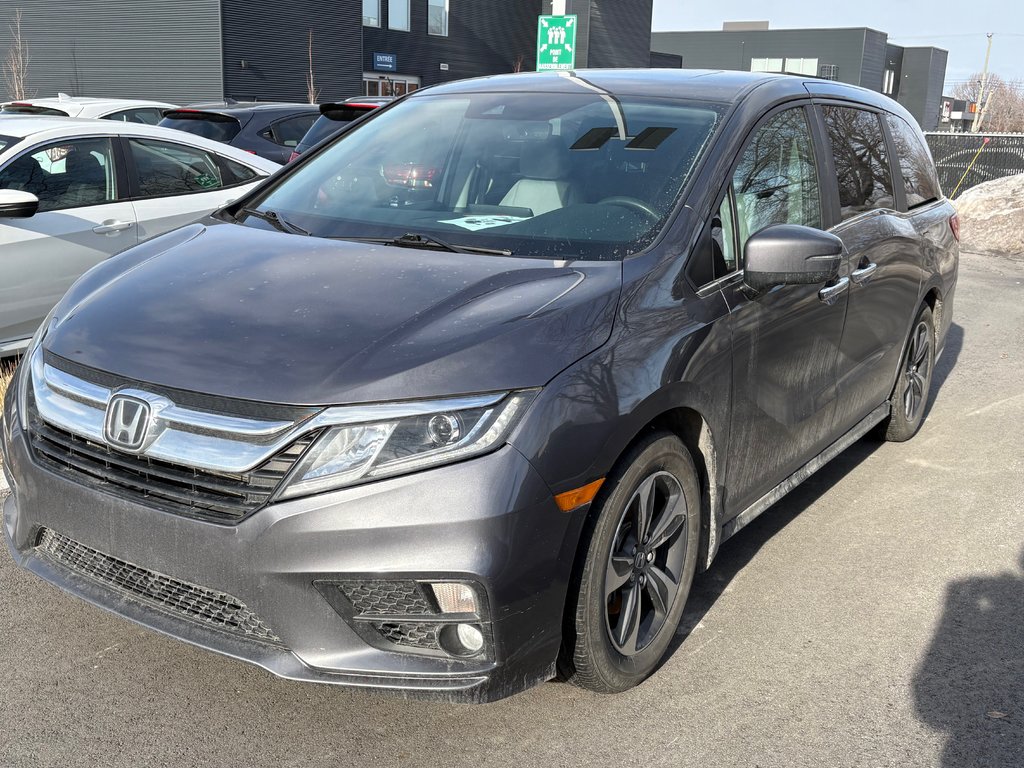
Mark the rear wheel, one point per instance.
(638, 568)
(911, 395)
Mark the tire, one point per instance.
(910, 397)
(602, 652)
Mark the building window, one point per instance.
(766, 65)
(437, 17)
(398, 15)
(371, 13)
(890, 81)
(802, 67)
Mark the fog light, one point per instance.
(471, 637)
(453, 597)
(462, 639)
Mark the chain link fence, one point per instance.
(954, 154)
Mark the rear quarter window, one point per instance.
(916, 166)
(861, 160)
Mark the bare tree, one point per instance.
(517, 65)
(1003, 108)
(312, 92)
(16, 63)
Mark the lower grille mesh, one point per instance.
(206, 606)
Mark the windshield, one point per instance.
(209, 126)
(549, 175)
(31, 109)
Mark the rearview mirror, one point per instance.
(15, 204)
(790, 254)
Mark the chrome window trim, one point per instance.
(209, 441)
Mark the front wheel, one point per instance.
(638, 568)
(910, 398)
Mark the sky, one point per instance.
(957, 26)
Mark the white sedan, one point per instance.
(74, 192)
(122, 110)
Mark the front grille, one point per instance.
(409, 634)
(184, 600)
(214, 496)
(387, 598)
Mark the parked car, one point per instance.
(268, 130)
(334, 117)
(124, 110)
(464, 398)
(74, 192)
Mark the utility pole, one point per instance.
(981, 93)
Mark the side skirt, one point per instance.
(750, 513)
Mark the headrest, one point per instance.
(548, 159)
(82, 163)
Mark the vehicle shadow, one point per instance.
(741, 548)
(970, 684)
(945, 365)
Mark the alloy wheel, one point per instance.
(645, 564)
(917, 372)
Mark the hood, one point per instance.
(241, 312)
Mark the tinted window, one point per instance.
(916, 164)
(209, 126)
(540, 174)
(776, 181)
(322, 128)
(235, 173)
(289, 132)
(28, 109)
(146, 116)
(7, 141)
(862, 165)
(164, 169)
(714, 256)
(68, 174)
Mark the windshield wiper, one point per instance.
(274, 219)
(413, 240)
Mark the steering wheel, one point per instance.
(632, 204)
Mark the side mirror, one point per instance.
(791, 254)
(17, 205)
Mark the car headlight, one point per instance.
(23, 377)
(385, 440)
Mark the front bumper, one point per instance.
(491, 521)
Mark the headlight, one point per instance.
(393, 439)
(24, 375)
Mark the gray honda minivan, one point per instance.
(460, 401)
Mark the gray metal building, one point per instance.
(856, 55)
(191, 50)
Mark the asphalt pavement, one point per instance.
(874, 617)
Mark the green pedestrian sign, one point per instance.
(556, 42)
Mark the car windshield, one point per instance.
(548, 175)
(208, 125)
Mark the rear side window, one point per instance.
(862, 164)
(916, 166)
(289, 132)
(206, 124)
(776, 181)
(164, 169)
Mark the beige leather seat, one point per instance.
(544, 187)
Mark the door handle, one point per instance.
(109, 227)
(830, 293)
(862, 275)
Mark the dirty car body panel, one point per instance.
(258, 345)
